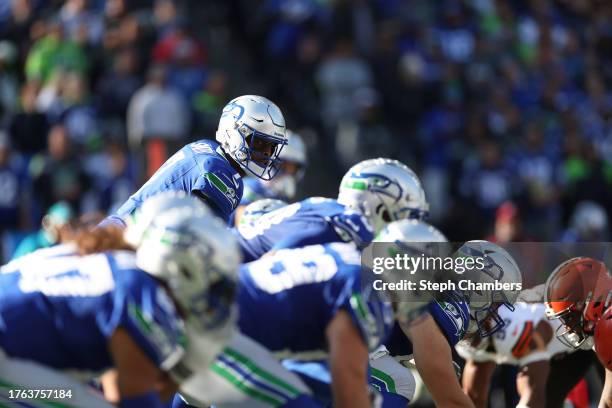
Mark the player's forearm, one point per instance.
(606, 394)
(532, 399)
(350, 390)
(476, 381)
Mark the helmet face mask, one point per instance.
(499, 266)
(292, 166)
(572, 332)
(261, 153)
(181, 243)
(252, 132)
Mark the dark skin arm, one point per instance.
(606, 394)
(348, 363)
(136, 374)
(476, 381)
(531, 383)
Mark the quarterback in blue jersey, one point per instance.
(446, 319)
(120, 308)
(293, 160)
(372, 194)
(250, 136)
(307, 303)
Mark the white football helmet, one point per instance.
(410, 231)
(383, 190)
(293, 160)
(252, 132)
(499, 266)
(179, 241)
(256, 209)
(413, 237)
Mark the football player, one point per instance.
(293, 160)
(250, 136)
(303, 304)
(526, 341)
(578, 293)
(451, 316)
(141, 312)
(372, 194)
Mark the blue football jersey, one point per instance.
(287, 300)
(451, 316)
(60, 309)
(198, 167)
(312, 221)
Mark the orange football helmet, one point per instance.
(578, 292)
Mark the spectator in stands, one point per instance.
(52, 52)
(58, 175)
(28, 128)
(75, 111)
(158, 120)
(487, 181)
(56, 227)
(117, 86)
(9, 86)
(13, 188)
(341, 75)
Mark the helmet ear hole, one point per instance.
(386, 216)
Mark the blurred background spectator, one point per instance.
(56, 227)
(489, 101)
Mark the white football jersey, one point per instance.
(518, 342)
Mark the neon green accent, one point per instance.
(217, 182)
(384, 377)
(261, 373)
(252, 392)
(356, 184)
(140, 318)
(357, 304)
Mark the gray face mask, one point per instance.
(284, 185)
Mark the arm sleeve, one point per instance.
(149, 318)
(374, 320)
(452, 319)
(216, 184)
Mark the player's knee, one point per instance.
(390, 376)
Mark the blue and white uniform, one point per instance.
(392, 379)
(309, 222)
(200, 168)
(286, 301)
(59, 310)
(452, 318)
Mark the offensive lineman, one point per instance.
(448, 318)
(250, 136)
(372, 194)
(293, 161)
(305, 303)
(133, 311)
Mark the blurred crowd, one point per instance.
(503, 107)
